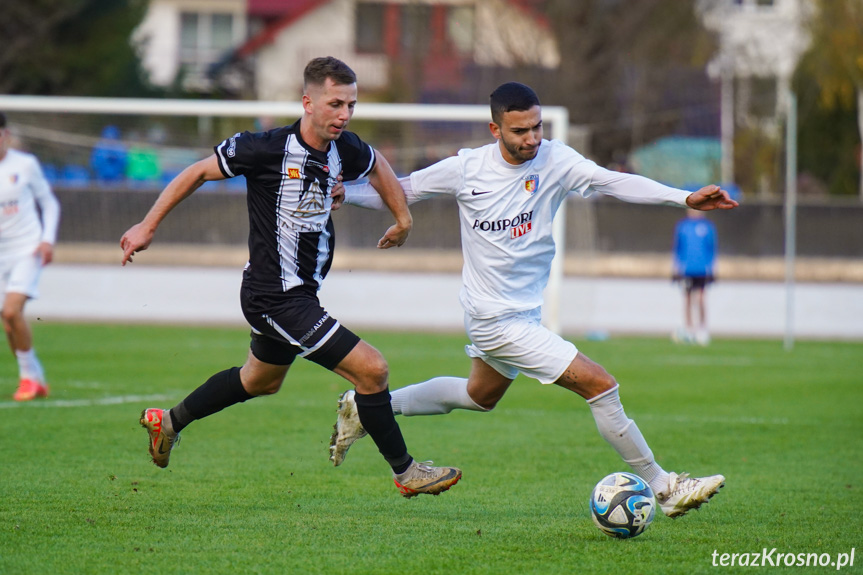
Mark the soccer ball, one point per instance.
(622, 505)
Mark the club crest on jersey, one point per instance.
(531, 183)
(294, 173)
(232, 145)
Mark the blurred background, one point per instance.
(687, 92)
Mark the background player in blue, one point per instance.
(507, 194)
(290, 172)
(694, 259)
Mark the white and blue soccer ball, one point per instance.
(622, 505)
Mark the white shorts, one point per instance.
(21, 275)
(519, 343)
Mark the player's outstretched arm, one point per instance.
(384, 180)
(711, 197)
(138, 237)
(337, 193)
(365, 196)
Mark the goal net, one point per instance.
(108, 159)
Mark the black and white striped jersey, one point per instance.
(291, 236)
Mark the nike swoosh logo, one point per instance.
(476, 193)
(162, 451)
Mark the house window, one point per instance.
(754, 3)
(222, 26)
(409, 26)
(460, 25)
(415, 32)
(204, 39)
(370, 28)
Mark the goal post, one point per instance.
(555, 119)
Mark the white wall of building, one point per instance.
(505, 37)
(158, 35)
(759, 40)
(326, 31)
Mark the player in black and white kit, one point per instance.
(290, 172)
(508, 193)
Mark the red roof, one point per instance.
(533, 8)
(275, 8)
(288, 10)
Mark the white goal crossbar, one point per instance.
(554, 117)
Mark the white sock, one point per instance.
(622, 433)
(29, 366)
(433, 397)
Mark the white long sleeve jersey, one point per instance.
(23, 187)
(506, 214)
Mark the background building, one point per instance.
(257, 49)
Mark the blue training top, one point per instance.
(694, 247)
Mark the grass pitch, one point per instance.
(250, 490)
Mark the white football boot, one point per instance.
(684, 493)
(347, 429)
(422, 478)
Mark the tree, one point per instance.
(629, 69)
(835, 61)
(70, 47)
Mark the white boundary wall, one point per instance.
(210, 296)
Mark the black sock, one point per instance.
(222, 390)
(376, 415)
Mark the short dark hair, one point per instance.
(511, 97)
(318, 70)
(2, 120)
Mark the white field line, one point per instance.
(115, 400)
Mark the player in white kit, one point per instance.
(26, 244)
(508, 193)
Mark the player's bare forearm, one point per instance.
(384, 181)
(181, 187)
(711, 198)
(139, 236)
(337, 193)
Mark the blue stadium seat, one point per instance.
(75, 176)
(52, 174)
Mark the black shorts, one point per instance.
(287, 325)
(696, 282)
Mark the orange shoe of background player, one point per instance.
(30, 389)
